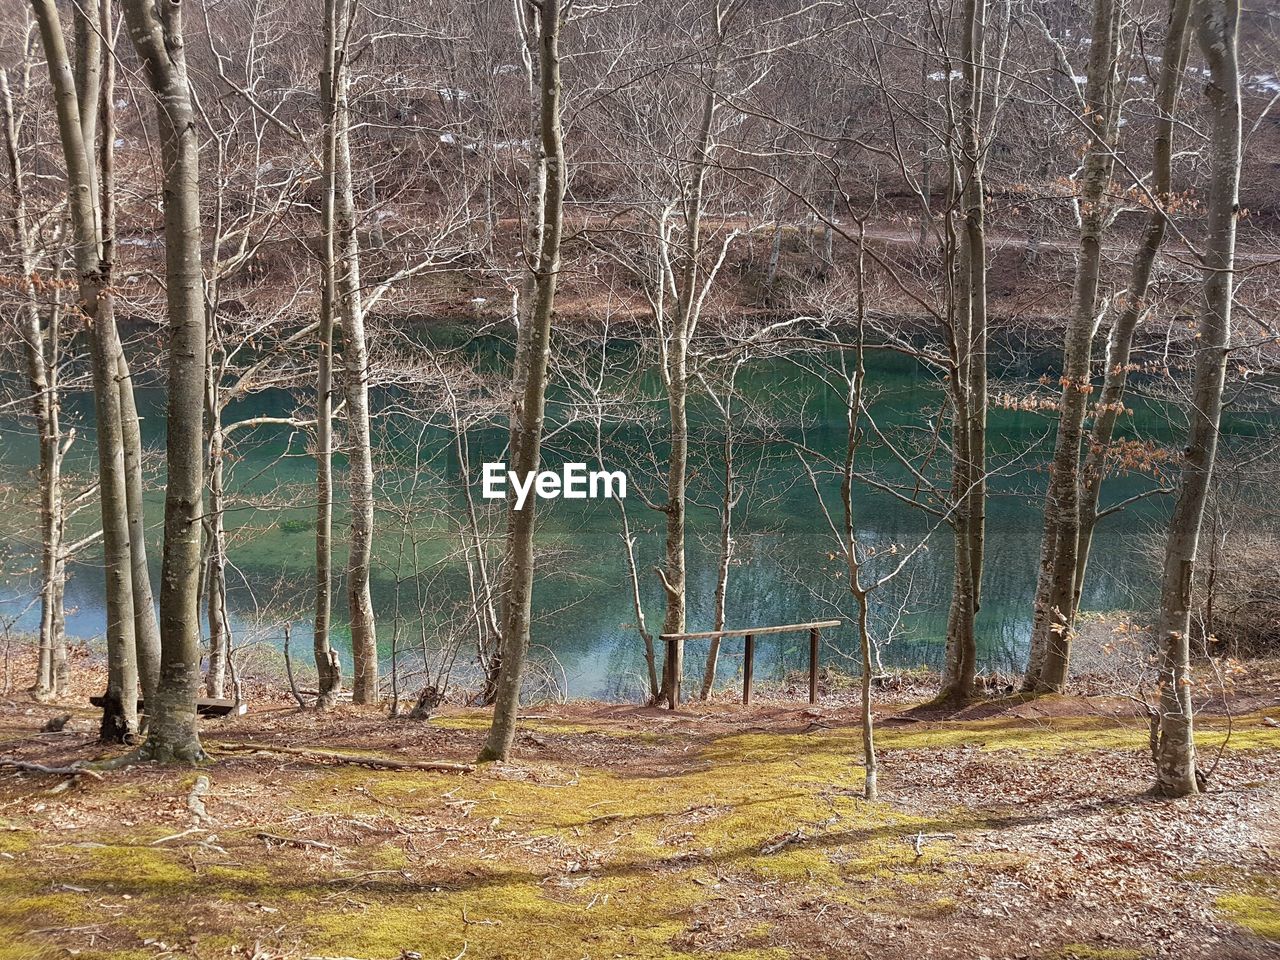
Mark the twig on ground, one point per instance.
(920, 839)
(294, 841)
(796, 836)
(177, 836)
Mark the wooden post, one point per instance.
(813, 665)
(668, 672)
(678, 669)
(748, 668)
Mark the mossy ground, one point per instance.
(723, 833)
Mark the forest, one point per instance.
(748, 479)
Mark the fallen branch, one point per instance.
(195, 799)
(177, 836)
(385, 763)
(367, 873)
(920, 839)
(796, 836)
(294, 841)
(73, 771)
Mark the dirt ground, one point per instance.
(1013, 829)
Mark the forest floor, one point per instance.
(1011, 829)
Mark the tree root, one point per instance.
(270, 838)
(150, 751)
(74, 770)
(385, 763)
(195, 799)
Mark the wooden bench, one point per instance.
(205, 706)
(674, 667)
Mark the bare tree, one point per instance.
(91, 252)
(40, 334)
(328, 668)
(157, 34)
(1055, 586)
(1136, 302)
(529, 386)
(1216, 29)
(348, 297)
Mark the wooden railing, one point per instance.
(674, 667)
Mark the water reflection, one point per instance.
(783, 571)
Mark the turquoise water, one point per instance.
(585, 624)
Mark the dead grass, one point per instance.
(1014, 829)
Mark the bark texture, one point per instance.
(355, 363)
(156, 31)
(96, 305)
(529, 391)
(1217, 25)
(326, 658)
(1135, 305)
(968, 380)
(40, 343)
(1053, 619)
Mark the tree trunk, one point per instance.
(40, 346)
(215, 587)
(157, 36)
(326, 658)
(1134, 306)
(529, 394)
(1217, 27)
(673, 573)
(355, 361)
(96, 303)
(1053, 619)
(969, 375)
(726, 550)
(674, 576)
(146, 627)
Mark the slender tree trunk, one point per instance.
(96, 304)
(861, 593)
(215, 587)
(529, 394)
(637, 606)
(926, 165)
(327, 665)
(970, 374)
(1135, 304)
(157, 36)
(58, 614)
(488, 629)
(775, 256)
(146, 626)
(1217, 27)
(1053, 619)
(726, 550)
(871, 788)
(41, 351)
(675, 575)
(355, 361)
(829, 234)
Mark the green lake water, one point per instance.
(783, 570)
